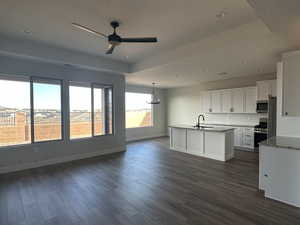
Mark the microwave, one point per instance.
(262, 106)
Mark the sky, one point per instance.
(136, 101)
(16, 94)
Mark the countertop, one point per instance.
(210, 129)
(230, 124)
(282, 142)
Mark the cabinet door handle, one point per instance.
(286, 113)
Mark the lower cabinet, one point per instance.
(244, 137)
(178, 141)
(195, 142)
(216, 145)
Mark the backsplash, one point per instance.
(233, 118)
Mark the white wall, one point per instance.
(25, 156)
(183, 104)
(159, 116)
(286, 125)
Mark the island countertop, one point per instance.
(282, 142)
(208, 128)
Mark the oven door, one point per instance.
(259, 137)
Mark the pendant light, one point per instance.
(155, 100)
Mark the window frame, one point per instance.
(60, 82)
(105, 98)
(30, 80)
(106, 122)
(65, 135)
(152, 112)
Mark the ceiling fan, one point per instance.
(114, 39)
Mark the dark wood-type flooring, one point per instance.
(147, 185)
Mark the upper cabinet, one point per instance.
(250, 99)
(237, 100)
(265, 88)
(290, 84)
(206, 101)
(226, 98)
(216, 103)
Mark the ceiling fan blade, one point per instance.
(79, 26)
(143, 39)
(110, 49)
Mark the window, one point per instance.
(102, 112)
(47, 120)
(14, 112)
(138, 111)
(91, 111)
(30, 111)
(80, 111)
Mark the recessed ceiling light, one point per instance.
(27, 31)
(222, 74)
(68, 65)
(221, 14)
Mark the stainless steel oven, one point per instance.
(262, 106)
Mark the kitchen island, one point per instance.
(207, 141)
(279, 169)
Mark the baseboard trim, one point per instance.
(146, 137)
(283, 201)
(69, 158)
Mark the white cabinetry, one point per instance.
(248, 137)
(216, 145)
(227, 101)
(216, 103)
(291, 85)
(244, 137)
(195, 142)
(265, 88)
(238, 136)
(279, 170)
(238, 100)
(250, 99)
(206, 101)
(179, 139)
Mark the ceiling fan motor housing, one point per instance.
(114, 39)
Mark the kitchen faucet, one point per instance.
(198, 122)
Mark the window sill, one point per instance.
(139, 127)
(17, 146)
(89, 138)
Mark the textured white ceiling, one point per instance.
(194, 45)
(172, 21)
(247, 50)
